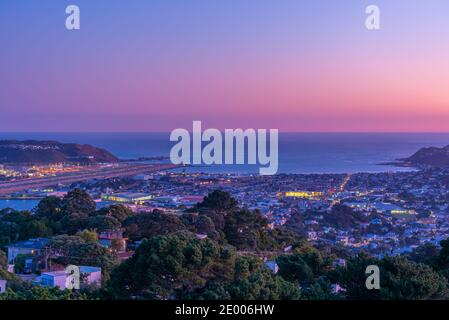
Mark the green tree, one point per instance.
(35, 229)
(3, 260)
(117, 211)
(400, 279)
(78, 201)
(183, 267)
(42, 293)
(205, 225)
(427, 253)
(243, 228)
(102, 223)
(216, 206)
(49, 208)
(157, 223)
(441, 261)
(9, 232)
(305, 265)
(295, 224)
(319, 290)
(20, 261)
(164, 265)
(250, 281)
(219, 200)
(89, 236)
(74, 222)
(75, 250)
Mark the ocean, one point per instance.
(298, 152)
(19, 204)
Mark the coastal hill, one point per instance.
(430, 157)
(47, 152)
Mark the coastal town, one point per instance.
(111, 208)
(390, 212)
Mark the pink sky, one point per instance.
(290, 66)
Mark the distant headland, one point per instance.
(48, 152)
(425, 157)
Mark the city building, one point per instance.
(301, 194)
(137, 198)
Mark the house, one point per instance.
(54, 279)
(336, 288)
(312, 235)
(3, 286)
(113, 239)
(272, 265)
(88, 276)
(31, 247)
(339, 262)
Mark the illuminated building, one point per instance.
(301, 194)
(128, 197)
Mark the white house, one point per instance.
(89, 276)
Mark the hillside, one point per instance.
(46, 152)
(431, 156)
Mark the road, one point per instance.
(84, 175)
(342, 188)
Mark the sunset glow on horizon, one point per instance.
(288, 64)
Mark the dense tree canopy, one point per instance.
(102, 223)
(49, 208)
(116, 211)
(3, 260)
(400, 278)
(220, 201)
(182, 266)
(305, 265)
(243, 228)
(76, 250)
(147, 225)
(77, 201)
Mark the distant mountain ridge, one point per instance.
(47, 152)
(429, 156)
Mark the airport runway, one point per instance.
(84, 175)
